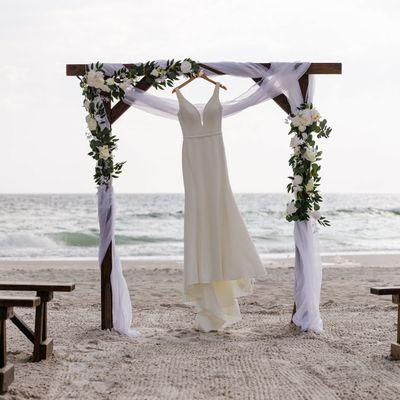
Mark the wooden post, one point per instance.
(46, 345)
(106, 291)
(106, 265)
(38, 332)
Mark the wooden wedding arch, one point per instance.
(114, 112)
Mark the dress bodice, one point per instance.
(197, 125)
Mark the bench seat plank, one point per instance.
(380, 291)
(37, 286)
(12, 301)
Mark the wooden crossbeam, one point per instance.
(315, 68)
(119, 108)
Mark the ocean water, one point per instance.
(151, 225)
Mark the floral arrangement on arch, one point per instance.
(98, 89)
(306, 125)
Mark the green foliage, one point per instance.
(307, 126)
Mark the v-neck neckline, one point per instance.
(201, 114)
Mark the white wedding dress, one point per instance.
(220, 260)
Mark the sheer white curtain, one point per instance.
(308, 272)
(278, 78)
(121, 302)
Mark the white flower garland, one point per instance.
(97, 88)
(306, 125)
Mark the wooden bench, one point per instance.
(395, 292)
(7, 305)
(42, 346)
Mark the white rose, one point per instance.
(110, 81)
(291, 208)
(90, 77)
(315, 214)
(186, 67)
(105, 88)
(104, 152)
(315, 116)
(310, 155)
(91, 123)
(124, 84)
(302, 128)
(298, 180)
(86, 104)
(295, 141)
(99, 79)
(305, 117)
(296, 150)
(297, 189)
(296, 121)
(310, 185)
(95, 79)
(155, 72)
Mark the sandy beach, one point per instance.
(262, 357)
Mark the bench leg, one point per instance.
(43, 347)
(46, 345)
(395, 347)
(6, 370)
(38, 332)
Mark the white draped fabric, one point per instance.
(307, 277)
(122, 307)
(279, 78)
(308, 272)
(272, 82)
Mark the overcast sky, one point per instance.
(44, 148)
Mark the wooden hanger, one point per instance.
(201, 74)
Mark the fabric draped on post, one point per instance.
(308, 272)
(121, 302)
(307, 277)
